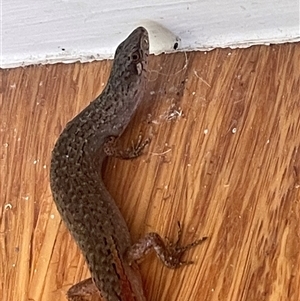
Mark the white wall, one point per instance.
(50, 31)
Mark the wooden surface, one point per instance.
(224, 160)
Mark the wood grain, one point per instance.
(224, 161)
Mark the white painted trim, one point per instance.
(52, 31)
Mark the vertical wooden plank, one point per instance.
(223, 160)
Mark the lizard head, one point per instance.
(130, 61)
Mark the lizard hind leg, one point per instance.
(83, 291)
(169, 253)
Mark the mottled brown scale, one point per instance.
(85, 205)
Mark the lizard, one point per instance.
(86, 207)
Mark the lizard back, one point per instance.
(83, 202)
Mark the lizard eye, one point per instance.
(135, 57)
